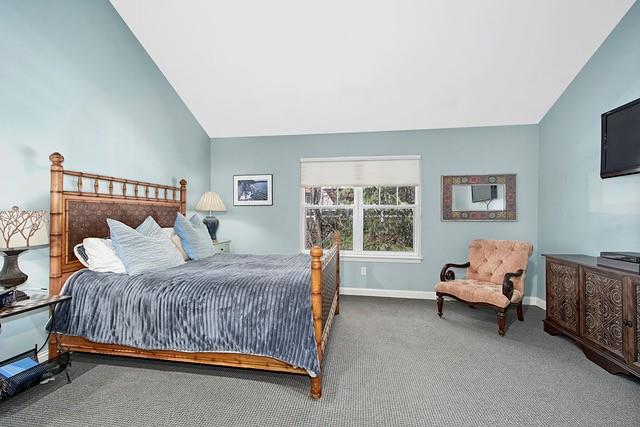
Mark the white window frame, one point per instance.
(358, 253)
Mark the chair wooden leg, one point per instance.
(519, 311)
(502, 321)
(316, 387)
(440, 303)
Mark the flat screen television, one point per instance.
(620, 147)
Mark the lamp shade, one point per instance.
(22, 228)
(210, 201)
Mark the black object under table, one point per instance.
(46, 369)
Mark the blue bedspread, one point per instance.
(250, 304)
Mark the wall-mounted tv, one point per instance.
(620, 147)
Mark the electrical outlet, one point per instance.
(363, 271)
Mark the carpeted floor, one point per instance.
(390, 363)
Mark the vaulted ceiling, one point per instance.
(280, 67)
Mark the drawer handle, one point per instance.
(627, 323)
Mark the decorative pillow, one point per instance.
(194, 236)
(140, 253)
(81, 254)
(150, 228)
(196, 221)
(101, 257)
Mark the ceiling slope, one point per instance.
(278, 67)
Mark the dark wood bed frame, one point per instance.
(78, 213)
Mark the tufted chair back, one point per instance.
(490, 259)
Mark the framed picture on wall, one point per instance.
(253, 190)
(479, 198)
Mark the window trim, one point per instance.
(358, 218)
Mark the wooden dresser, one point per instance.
(598, 307)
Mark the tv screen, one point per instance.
(620, 153)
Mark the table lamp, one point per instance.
(211, 202)
(20, 230)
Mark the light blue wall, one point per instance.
(275, 229)
(74, 79)
(579, 211)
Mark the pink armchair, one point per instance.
(495, 277)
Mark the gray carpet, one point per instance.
(390, 363)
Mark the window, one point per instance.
(373, 220)
(388, 220)
(326, 210)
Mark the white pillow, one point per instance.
(102, 256)
(175, 239)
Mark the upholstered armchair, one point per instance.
(495, 278)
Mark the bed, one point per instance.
(81, 203)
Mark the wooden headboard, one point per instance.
(81, 212)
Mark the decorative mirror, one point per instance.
(479, 198)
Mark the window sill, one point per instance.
(382, 258)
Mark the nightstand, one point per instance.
(222, 246)
(11, 385)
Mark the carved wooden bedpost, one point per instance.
(336, 238)
(183, 196)
(316, 309)
(55, 233)
(55, 230)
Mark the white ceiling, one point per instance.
(281, 67)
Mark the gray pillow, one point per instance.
(140, 253)
(194, 236)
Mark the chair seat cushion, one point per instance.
(471, 290)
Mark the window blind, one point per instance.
(391, 171)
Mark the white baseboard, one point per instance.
(430, 295)
(387, 293)
(538, 302)
(44, 354)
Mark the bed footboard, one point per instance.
(325, 300)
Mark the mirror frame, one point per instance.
(509, 214)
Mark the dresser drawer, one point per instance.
(222, 247)
(602, 320)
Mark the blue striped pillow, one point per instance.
(140, 253)
(194, 237)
